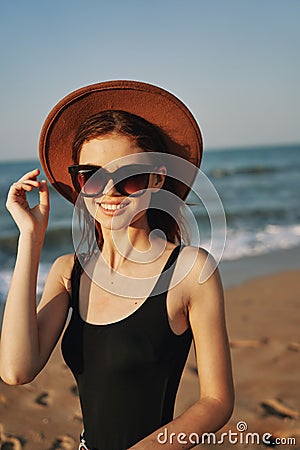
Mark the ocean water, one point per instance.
(258, 189)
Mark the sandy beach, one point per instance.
(263, 327)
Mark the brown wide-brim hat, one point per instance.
(178, 127)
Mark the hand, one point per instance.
(34, 220)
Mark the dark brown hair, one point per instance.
(148, 138)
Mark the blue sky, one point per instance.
(235, 63)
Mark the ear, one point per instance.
(158, 178)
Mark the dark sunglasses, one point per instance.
(90, 180)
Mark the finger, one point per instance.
(44, 193)
(32, 174)
(33, 183)
(21, 186)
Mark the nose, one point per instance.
(110, 189)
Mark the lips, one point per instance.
(112, 208)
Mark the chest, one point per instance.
(100, 306)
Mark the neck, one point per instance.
(131, 244)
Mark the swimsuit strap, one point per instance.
(164, 280)
(75, 277)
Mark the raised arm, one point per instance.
(24, 349)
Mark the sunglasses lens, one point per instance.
(133, 184)
(92, 182)
(89, 183)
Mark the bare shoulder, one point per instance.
(58, 282)
(60, 271)
(64, 262)
(197, 272)
(196, 261)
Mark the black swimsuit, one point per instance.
(127, 371)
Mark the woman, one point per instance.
(136, 298)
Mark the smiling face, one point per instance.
(111, 208)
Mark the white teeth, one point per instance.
(111, 207)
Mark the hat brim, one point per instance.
(176, 123)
